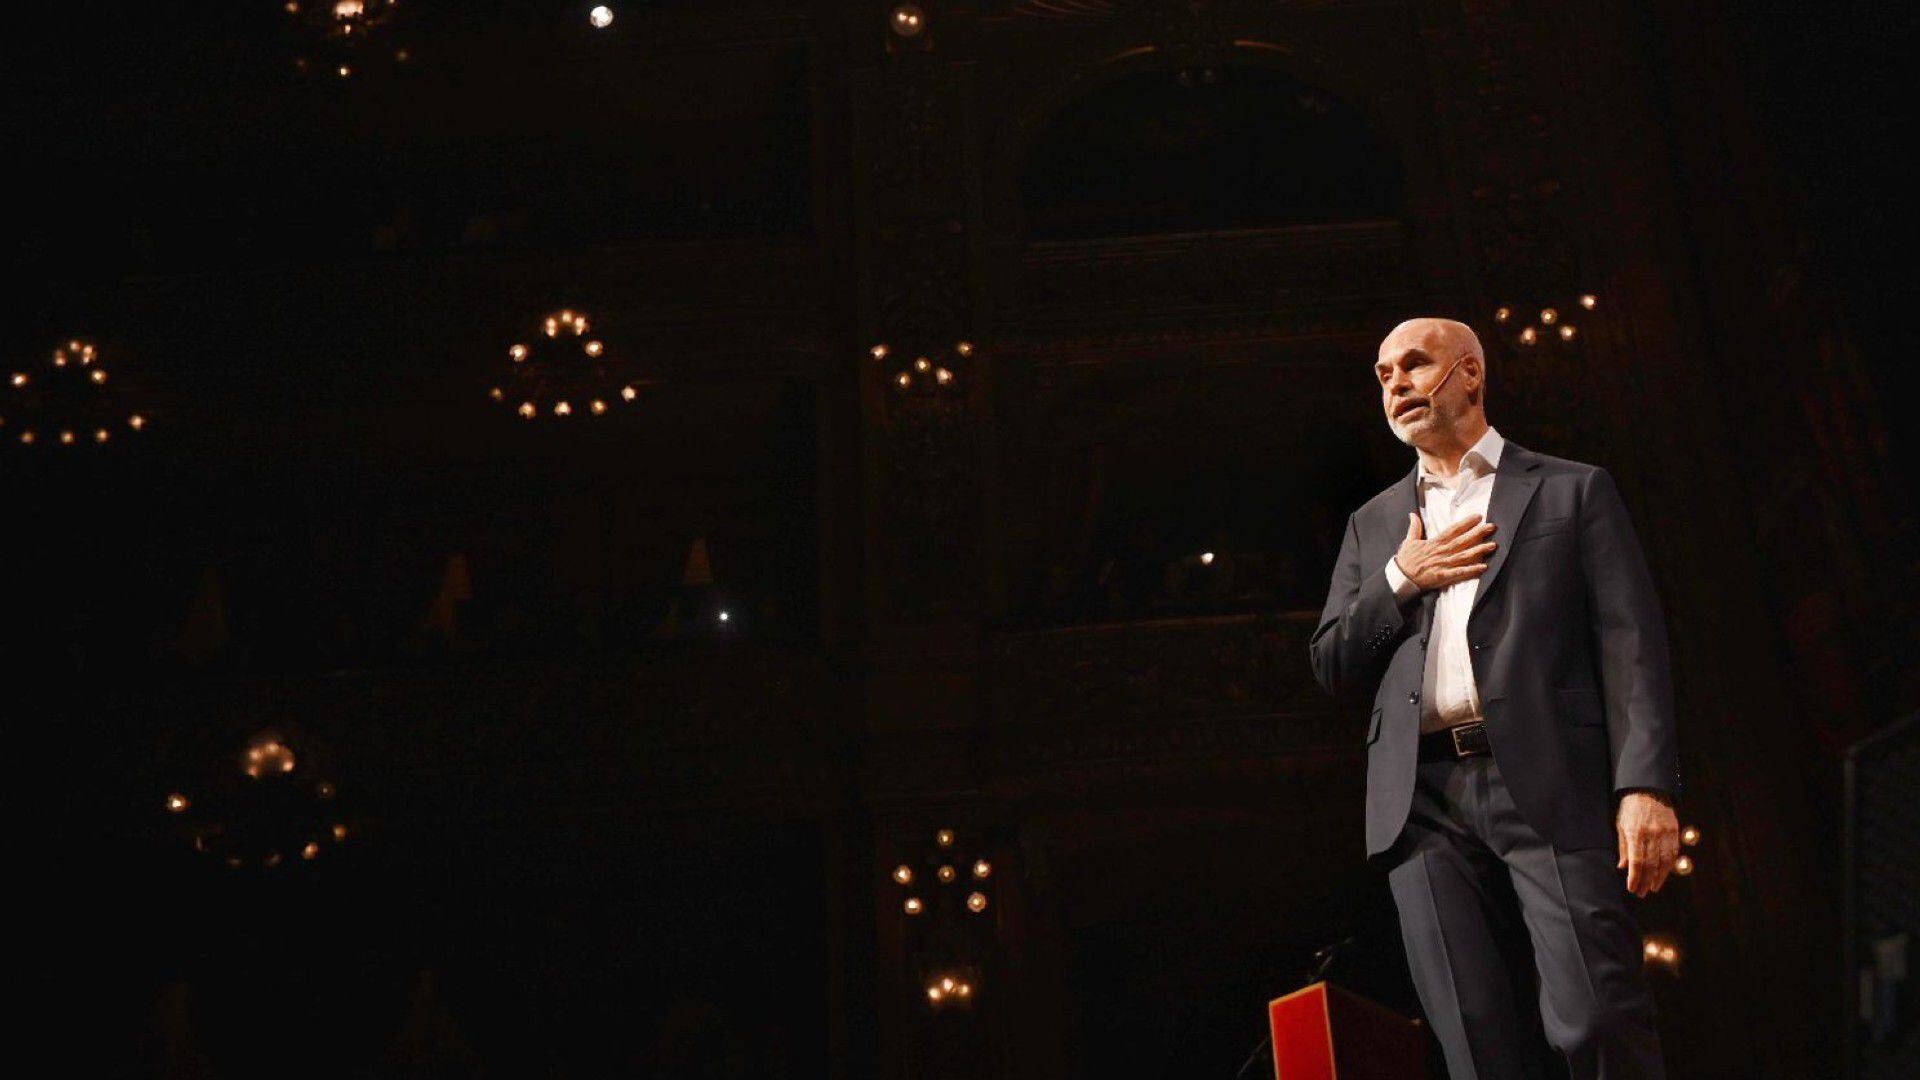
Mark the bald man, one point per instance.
(1522, 764)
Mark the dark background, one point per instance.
(592, 829)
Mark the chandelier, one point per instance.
(342, 36)
(932, 371)
(1548, 323)
(565, 370)
(64, 403)
(271, 811)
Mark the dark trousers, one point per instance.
(1512, 941)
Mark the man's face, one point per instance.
(1414, 359)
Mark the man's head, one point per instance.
(1433, 378)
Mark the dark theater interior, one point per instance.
(740, 540)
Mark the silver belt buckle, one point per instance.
(1456, 731)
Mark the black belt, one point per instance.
(1460, 740)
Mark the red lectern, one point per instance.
(1321, 1032)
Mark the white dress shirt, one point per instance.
(1448, 695)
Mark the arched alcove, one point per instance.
(1176, 150)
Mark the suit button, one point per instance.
(1476, 646)
(1413, 697)
(1423, 640)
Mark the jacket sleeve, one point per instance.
(1631, 636)
(1357, 628)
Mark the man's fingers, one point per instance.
(1459, 527)
(1659, 879)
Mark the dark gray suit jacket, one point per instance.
(1568, 646)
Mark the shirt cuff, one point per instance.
(1403, 587)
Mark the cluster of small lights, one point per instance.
(928, 372)
(1550, 322)
(270, 762)
(946, 989)
(564, 372)
(1689, 837)
(340, 29)
(265, 757)
(907, 20)
(981, 869)
(1660, 951)
(77, 368)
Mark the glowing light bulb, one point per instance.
(976, 902)
(323, 789)
(601, 17)
(497, 394)
(561, 408)
(963, 990)
(981, 868)
(177, 803)
(1528, 336)
(526, 409)
(1651, 948)
(518, 352)
(1547, 316)
(908, 20)
(922, 364)
(345, 71)
(934, 993)
(628, 393)
(1502, 314)
(946, 873)
(599, 407)
(311, 851)
(903, 874)
(878, 352)
(1206, 558)
(19, 379)
(1690, 835)
(26, 437)
(339, 831)
(98, 375)
(1683, 865)
(66, 438)
(1589, 301)
(964, 348)
(903, 380)
(1566, 331)
(100, 435)
(725, 616)
(579, 325)
(593, 348)
(913, 906)
(552, 327)
(349, 9)
(136, 421)
(947, 985)
(943, 376)
(944, 837)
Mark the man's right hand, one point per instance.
(1455, 555)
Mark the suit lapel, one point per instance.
(1513, 486)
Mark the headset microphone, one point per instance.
(1444, 378)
